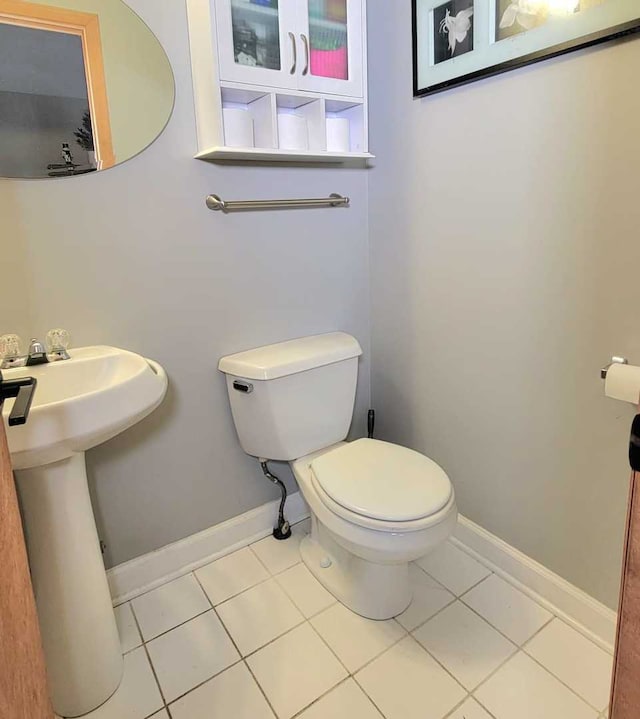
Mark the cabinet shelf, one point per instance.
(276, 155)
(324, 24)
(258, 10)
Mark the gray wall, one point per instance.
(131, 257)
(504, 243)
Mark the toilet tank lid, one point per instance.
(286, 358)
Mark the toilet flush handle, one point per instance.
(242, 386)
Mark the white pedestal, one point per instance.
(79, 632)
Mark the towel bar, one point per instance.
(216, 203)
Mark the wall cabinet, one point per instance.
(280, 79)
(311, 45)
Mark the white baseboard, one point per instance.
(140, 575)
(577, 608)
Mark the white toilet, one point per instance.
(375, 506)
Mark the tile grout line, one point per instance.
(284, 589)
(240, 593)
(350, 675)
(323, 640)
(386, 649)
(322, 696)
(519, 648)
(205, 681)
(535, 596)
(213, 606)
(235, 645)
(476, 556)
(457, 596)
(482, 706)
(433, 616)
(204, 591)
(369, 697)
(240, 659)
(153, 669)
(437, 581)
(305, 621)
(441, 665)
(193, 571)
(177, 626)
(408, 634)
(255, 554)
(553, 674)
(254, 651)
(515, 643)
(533, 636)
(564, 684)
(495, 671)
(521, 651)
(260, 689)
(458, 706)
(475, 586)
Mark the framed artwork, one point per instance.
(459, 41)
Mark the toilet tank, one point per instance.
(293, 398)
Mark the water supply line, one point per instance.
(283, 529)
(371, 423)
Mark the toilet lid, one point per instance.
(382, 480)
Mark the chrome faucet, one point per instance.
(11, 355)
(36, 354)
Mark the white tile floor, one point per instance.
(254, 636)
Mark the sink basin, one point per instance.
(78, 404)
(82, 402)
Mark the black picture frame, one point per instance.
(606, 35)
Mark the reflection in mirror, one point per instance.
(84, 85)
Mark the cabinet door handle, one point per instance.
(305, 40)
(295, 54)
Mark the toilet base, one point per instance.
(374, 591)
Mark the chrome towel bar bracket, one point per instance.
(214, 202)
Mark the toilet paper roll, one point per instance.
(238, 127)
(293, 133)
(338, 134)
(623, 383)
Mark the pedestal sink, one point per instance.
(79, 403)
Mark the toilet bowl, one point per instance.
(375, 506)
(363, 560)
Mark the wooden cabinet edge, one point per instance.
(23, 682)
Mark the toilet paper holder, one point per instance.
(614, 360)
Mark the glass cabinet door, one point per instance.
(331, 35)
(256, 41)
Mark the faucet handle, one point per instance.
(58, 341)
(11, 354)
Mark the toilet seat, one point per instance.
(382, 485)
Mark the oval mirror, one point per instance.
(84, 86)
